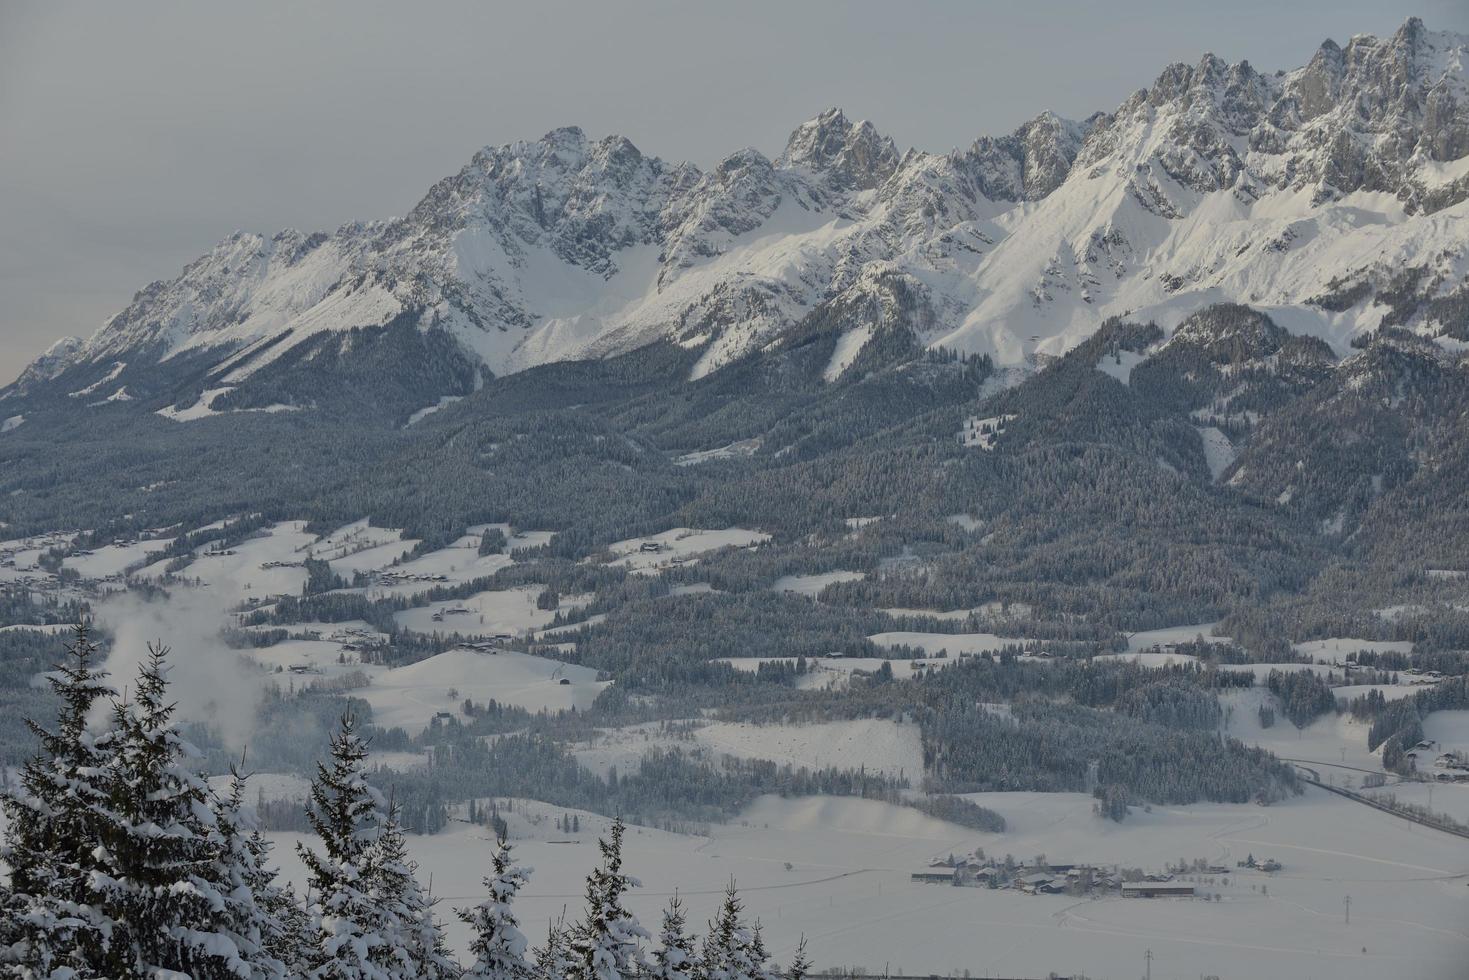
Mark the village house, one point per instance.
(935, 876)
(1156, 889)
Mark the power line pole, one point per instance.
(1148, 956)
(1347, 901)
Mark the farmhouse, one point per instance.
(1156, 889)
(934, 876)
(1038, 884)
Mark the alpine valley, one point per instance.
(1092, 490)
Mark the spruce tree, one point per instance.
(554, 960)
(800, 966)
(170, 883)
(606, 944)
(498, 946)
(414, 943)
(254, 903)
(352, 931)
(674, 959)
(760, 966)
(728, 946)
(54, 823)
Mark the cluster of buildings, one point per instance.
(1448, 767)
(1056, 879)
(396, 576)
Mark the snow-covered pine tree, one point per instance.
(800, 966)
(674, 959)
(498, 946)
(606, 945)
(351, 932)
(554, 960)
(254, 902)
(285, 926)
(760, 966)
(727, 947)
(296, 944)
(170, 882)
(54, 822)
(415, 945)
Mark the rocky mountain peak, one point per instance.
(853, 156)
(1189, 193)
(1029, 163)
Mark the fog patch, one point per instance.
(210, 682)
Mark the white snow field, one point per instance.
(1336, 649)
(837, 871)
(811, 585)
(734, 450)
(824, 672)
(1334, 741)
(955, 644)
(679, 545)
(1219, 452)
(459, 562)
(1151, 639)
(879, 745)
(1262, 671)
(1151, 659)
(508, 611)
(114, 559)
(1450, 729)
(241, 573)
(876, 744)
(409, 697)
(361, 547)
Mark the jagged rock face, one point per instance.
(851, 156)
(1317, 192)
(1029, 163)
(1376, 106)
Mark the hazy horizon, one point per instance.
(138, 140)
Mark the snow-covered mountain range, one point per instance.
(1333, 197)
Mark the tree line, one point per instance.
(122, 862)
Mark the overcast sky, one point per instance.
(134, 136)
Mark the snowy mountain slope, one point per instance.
(1332, 197)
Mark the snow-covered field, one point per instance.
(954, 643)
(114, 559)
(1262, 671)
(1450, 729)
(735, 450)
(1150, 639)
(1332, 740)
(811, 585)
(1151, 659)
(508, 611)
(835, 671)
(1391, 692)
(242, 573)
(1338, 647)
(837, 871)
(878, 745)
(679, 545)
(409, 697)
